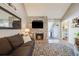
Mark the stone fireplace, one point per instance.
(39, 34)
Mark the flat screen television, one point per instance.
(37, 24)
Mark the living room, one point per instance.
(39, 29)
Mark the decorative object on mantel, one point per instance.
(75, 22)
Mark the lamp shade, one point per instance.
(26, 31)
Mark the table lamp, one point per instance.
(26, 31)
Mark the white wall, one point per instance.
(72, 13)
(19, 12)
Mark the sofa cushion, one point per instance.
(26, 38)
(16, 40)
(22, 51)
(5, 46)
(30, 43)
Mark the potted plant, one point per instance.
(77, 39)
(77, 35)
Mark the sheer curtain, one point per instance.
(53, 30)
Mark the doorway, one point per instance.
(53, 31)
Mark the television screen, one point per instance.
(37, 24)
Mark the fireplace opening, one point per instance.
(39, 36)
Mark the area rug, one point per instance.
(53, 49)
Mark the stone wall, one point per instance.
(43, 30)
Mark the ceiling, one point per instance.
(51, 10)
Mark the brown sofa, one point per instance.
(15, 46)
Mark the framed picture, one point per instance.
(75, 22)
